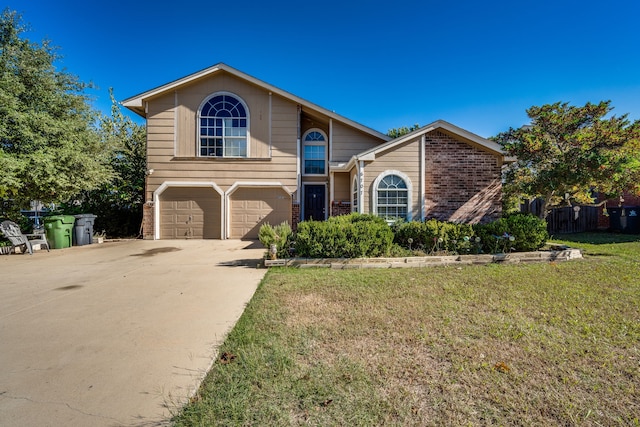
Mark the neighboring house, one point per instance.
(227, 152)
(617, 214)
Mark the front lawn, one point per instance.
(528, 344)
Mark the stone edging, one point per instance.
(427, 261)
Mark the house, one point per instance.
(620, 214)
(227, 152)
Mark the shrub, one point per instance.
(529, 231)
(347, 236)
(434, 236)
(280, 235)
(520, 232)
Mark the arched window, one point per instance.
(392, 198)
(354, 195)
(314, 152)
(224, 124)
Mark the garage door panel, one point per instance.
(252, 204)
(252, 207)
(184, 218)
(181, 232)
(166, 218)
(274, 218)
(253, 218)
(190, 212)
(238, 218)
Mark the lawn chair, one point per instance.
(12, 232)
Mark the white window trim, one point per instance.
(246, 108)
(355, 190)
(374, 191)
(315, 143)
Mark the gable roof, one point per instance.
(136, 103)
(483, 143)
(487, 144)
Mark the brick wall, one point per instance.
(628, 200)
(147, 221)
(462, 182)
(340, 208)
(295, 215)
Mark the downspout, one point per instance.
(361, 187)
(331, 174)
(423, 141)
(331, 195)
(298, 156)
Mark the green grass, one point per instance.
(536, 344)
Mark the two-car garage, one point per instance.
(206, 212)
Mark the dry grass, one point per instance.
(544, 344)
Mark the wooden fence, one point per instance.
(574, 219)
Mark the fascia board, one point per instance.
(439, 124)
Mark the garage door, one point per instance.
(190, 213)
(252, 207)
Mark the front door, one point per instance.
(314, 199)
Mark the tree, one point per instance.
(568, 152)
(49, 147)
(398, 132)
(118, 202)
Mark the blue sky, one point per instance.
(385, 64)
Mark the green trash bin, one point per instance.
(58, 229)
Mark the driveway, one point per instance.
(119, 333)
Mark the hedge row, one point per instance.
(347, 236)
(516, 232)
(365, 236)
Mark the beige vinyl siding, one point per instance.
(404, 158)
(308, 124)
(348, 142)
(280, 167)
(160, 137)
(342, 187)
(190, 97)
(284, 132)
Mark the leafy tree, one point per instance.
(118, 202)
(49, 147)
(569, 151)
(398, 132)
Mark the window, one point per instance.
(224, 124)
(393, 195)
(314, 153)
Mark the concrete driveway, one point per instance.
(119, 333)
